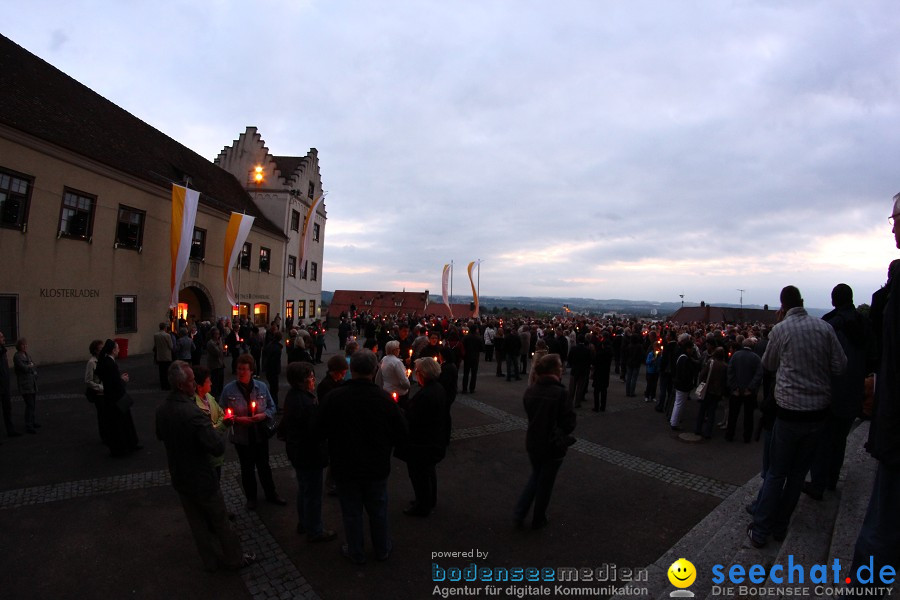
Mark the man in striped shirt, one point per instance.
(805, 353)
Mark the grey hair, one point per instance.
(391, 346)
(428, 367)
(177, 374)
(363, 363)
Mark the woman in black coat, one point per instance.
(121, 434)
(429, 433)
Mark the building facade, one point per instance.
(85, 214)
(284, 188)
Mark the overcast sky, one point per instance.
(636, 150)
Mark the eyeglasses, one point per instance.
(892, 219)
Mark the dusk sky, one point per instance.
(636, 150)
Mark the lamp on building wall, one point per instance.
(256, 175)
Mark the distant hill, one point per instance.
(640, 308)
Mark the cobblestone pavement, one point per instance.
(646, 470)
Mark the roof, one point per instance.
(42, 101)
(460, 311)
(719, 314)
(377, 302)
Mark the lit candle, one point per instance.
(253, 408)
(408, 373)
(229, 414)
(394, 396)
(410, 352)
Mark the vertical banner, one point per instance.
(238, 229)
(474, 293)
(445, 279)
(306, 232)
(184, 214)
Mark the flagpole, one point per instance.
(451, 281)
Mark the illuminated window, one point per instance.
(301, 309)
(245, 256)
(261, 313)
(265, 256)
(289, 309)
(312, 309)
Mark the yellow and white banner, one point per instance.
(474, 293)
(184, 215)
(306, 232)
(445, 282)
(238, 229)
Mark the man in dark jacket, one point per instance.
(551, 420)
(744, 378)
(190, 440)
(473, 344)
(580, 362)
(879, 538)
(362, 425)
(512, 345)
(847, 391)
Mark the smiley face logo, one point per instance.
(682, 573)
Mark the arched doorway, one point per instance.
(195, 303)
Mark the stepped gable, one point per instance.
(291, 172)
(42, 101)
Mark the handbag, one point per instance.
(700, 390)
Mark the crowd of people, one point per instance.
(799, 385)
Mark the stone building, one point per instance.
(85, 212)
(284, 188)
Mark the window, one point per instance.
(301, 309)
(245, 256)
(311, 190)
(289, 310)
(261, 313)
(9, 318)
(15, 193)
(265, 256)
(312, 309)
(292, 266)
(130, 228)
(295, 220)
(198, 244)
(304, 272)
(315, 232)
(76, 218)
(126, 314)
(314, 274)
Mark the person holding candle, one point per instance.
(207, 403)
(392, 374)
(307, 452)
(190, 440)
(254, 423)
(429, 433)
(215, 361)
